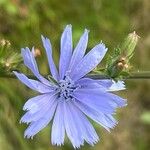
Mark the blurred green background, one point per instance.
(23, 21)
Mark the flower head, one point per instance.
(72, 97)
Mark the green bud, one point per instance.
(9, 59)
(115, 69)
(4, 45)
(14, 59)
(10, 62)
(118, 64)
(129, 45)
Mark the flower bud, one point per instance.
(129, 44)
(4, 46)
(4, 42)
(120, 65)
(7, 64)
(10, 62)
(36, 52)
(9, 59)
(126, 66)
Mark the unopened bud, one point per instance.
(36, 52)
(130, 44)
(126, 66)
(122, 59)
(120, 65)
(4, 42)
(7, 64)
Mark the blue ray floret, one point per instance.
(73, 97)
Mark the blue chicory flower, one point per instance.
(73, 97)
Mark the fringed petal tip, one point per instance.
(86, 31)
(57, 144)
(28, 136)
(89, 142)
(125, 103)
(23, 121)
(44, 39)
(68, 26)
(117, 86)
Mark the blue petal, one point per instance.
(48, 48)
(86, 130)
(33, 84)
(79, 51)
(30, 62)
(89, 62)
(65, 51)
(98, 101)
(90, 83)
(38, 125)
(117, 101)
(99, 105)
(117, 86)
(58, 128)
(105, 120)
(111, 85)
(35, 102)
(105, 83)
(37, 107)
(71, 126)
(101, 97)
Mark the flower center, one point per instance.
(66, 88)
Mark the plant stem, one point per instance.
(133, 75)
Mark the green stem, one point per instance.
(133, 75)
(140, 75)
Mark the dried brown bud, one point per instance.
(126, 66)
(4, 42)
(36, 52)
(120, 65)
(7, 64)
(122, 60)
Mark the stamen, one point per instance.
(66, 88)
